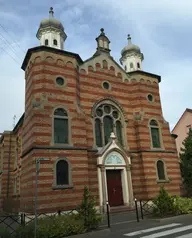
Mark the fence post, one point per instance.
(108, 215)
(22, 219)
(136, 208)
(141, 207)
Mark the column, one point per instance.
(102, 168)
(130, 186)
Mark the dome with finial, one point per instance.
(51, 32)
(51, 21)
(130, 47)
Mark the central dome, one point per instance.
(51, 22)
(130, 47)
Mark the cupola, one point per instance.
(51, 32)
(131, 57)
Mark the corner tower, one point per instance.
(131, 57)
(51, 32)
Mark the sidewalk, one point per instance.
(115, 220)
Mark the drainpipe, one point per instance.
(9, 165)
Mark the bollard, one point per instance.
(136, 208)
(141, 207)
(59, 212)
(108, 216)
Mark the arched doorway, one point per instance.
(115, 185)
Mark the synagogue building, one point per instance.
(94, 122)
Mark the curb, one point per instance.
(169, 218)
(92, 233)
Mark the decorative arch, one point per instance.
(69, 64)
(60, 62)
(118, 151)
(108, 100)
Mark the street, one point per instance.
(176, 227)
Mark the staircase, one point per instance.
(121, 209)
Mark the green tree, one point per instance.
(186, 163)
(164, 203)
(87, 210)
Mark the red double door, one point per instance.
(114, 187)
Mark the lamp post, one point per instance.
(37, 163)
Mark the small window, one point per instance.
(106, 85)
(55, 42)
(46, 42)
(150, 97)
(125, 68)
(155, 137)
(62, 172)
(138, 65)
(61, 126)
(161, 170)
(131, 65)
(60, 81)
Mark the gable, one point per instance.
(104, 61)
(181, 122)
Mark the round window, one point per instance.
(107, 109)
(99, 112)
(60, 81)
(106, 85)
(115, 114)
(150, 97)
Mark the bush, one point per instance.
(54, 227)
(164, 203)
(183, 205)
(88, 212)
(4, 233)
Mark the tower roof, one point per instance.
(130, 47)
(50, 22)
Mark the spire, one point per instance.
(102, 32)
(51, 12)
(102, 43)
(129, 39)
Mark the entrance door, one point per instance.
(114, 187)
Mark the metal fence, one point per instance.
(13, 221)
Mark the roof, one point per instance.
(145, 73)
(19, 123)
(48, 49)
(186, 110)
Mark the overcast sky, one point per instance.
(162, 29)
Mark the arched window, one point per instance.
(125, 68)
(46, 42)
(138, 65)
(61, 126)
(161, 170)
(55, 42)
(98, 135)
(131, 65)
(155, 137)
(119, 132)
(107, 119)
(62, 172)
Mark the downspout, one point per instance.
(9, 165)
